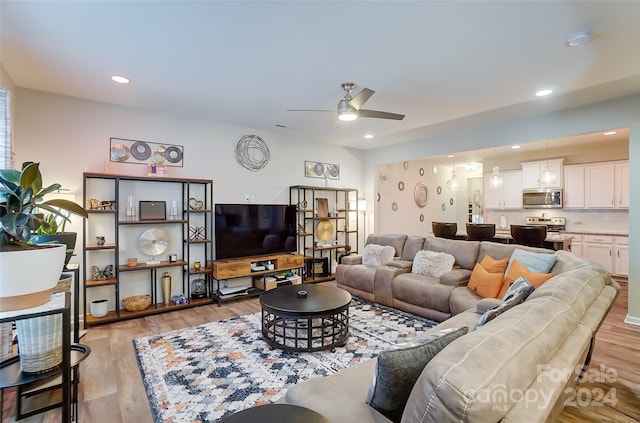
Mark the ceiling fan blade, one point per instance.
(379, 115)
(310, 110)
(336, 124)
(361, 98)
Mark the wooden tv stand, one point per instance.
(242, 267)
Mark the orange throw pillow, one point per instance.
(516, 270)
(492, 265)
(483, 283)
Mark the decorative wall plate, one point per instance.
(394, 206)
(434, 170)
(173, 154)
(141, 151)
(451, 201)
(318, 169)
(158, 157)
(444, 206)
(421, 194)
(383, 178)
(119, 153)
(378, 197)
(421, 171)
(439, 190)
(401, 186)
(421, 217)
(405, 165)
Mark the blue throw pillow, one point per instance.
(534, 262)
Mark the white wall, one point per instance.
(618, 113)
(70, 136)
(7, 83)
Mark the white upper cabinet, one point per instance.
(509, 196)
(573, 195)
(622, 184)
(607, 185)
(531, 173)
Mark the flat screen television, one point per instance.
(244, 230)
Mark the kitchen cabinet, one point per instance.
(622, 184)
(531, 173)
(573, 193)
(599, 249)
(576, 245)
(621, 256)
(607, 185)
(509, 196)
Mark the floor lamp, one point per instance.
(362, 207)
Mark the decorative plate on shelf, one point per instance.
(153, 242)
(324, 230)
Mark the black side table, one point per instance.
(276, 413)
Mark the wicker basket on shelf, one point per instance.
(136, 302)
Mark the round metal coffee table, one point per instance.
(317, 321)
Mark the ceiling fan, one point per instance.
(349, 108)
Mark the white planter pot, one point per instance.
(29, 277)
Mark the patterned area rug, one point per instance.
(206, 372)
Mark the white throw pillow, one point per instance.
(377, 255)
(431, 263)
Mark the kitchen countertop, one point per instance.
(596, 232)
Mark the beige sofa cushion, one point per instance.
(465, 252)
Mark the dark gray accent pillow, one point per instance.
(519, 290)
(399, 368)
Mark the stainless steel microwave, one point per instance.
(542, 199)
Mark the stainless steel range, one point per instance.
(554, 224)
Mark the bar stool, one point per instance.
(444, 229)
(530, 235)
(481, 231)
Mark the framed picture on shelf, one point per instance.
(318, 267)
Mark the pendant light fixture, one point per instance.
(547, 177)
(495, 180)
(453, 182)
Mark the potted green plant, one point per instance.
(29, 272)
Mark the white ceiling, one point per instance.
(246, 63)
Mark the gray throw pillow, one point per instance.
(399, 368)
(517, 293)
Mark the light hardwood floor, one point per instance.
(111, 388)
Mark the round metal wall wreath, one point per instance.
(252, 153)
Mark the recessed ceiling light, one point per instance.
(450, 155)
(515, 147)
(610, 133)
(120, 79)
(368, 136)
(578, 38)
(542, 93)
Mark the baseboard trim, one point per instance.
(632, 320)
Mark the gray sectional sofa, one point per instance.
(506, 370)
(394, 285)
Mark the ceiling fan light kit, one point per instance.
(349, 108)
